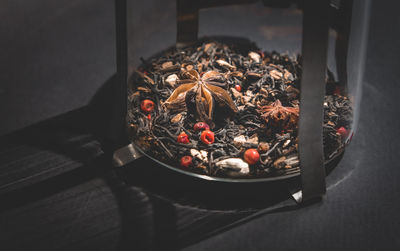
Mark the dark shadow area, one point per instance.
(159, 208)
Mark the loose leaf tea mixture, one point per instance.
(226, 111)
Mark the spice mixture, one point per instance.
(227, 110)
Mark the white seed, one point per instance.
(239, 140)
(292, 161)
(234, 164)
(171, 80)
(201, 155)
(287, 142)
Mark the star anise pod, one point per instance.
(278, 115)
(201, 96)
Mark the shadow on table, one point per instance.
(160, 209)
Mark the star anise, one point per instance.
(201, 96)
(279, 115)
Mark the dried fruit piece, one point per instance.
(172, 79)
(207, 137)
(147, 105)
(186, 161)
(251, 156)
(201, 126)
(238, 88)
(263, 147)
(201, 155)
(276, 74)
(225, 64)
(280, 162)
(254, 56)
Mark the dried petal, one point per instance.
(201, 155)
(221, 97)
(255, 56)
(276, 74)
(225, 64)
(177, 98)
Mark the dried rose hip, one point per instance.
(342, 131)
(147, 105)
(149, 116)
(238, 88)
(251, 156)
(183, 138)
(186, 161)
(201, 126)
(207, 137)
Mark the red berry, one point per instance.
(207, 137)
(342, 131)
(251, 156)
(238, 88)
(149, 116)
(183, 138)
(186, 161)
(147, 105)
(200, 126)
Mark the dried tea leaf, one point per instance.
(276, 74)
(235, 74)
(144, 89)
(279, 163)
(235, 93)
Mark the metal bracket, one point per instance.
(125, 155)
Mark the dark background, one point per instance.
(55, 55)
